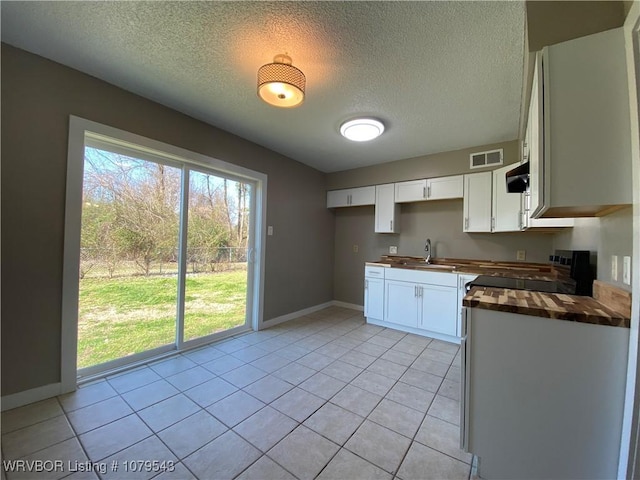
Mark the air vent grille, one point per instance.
(489, 158)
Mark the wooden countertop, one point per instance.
(524, 270)
(573, 308)
(610, 307)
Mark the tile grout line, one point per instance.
(321, 332)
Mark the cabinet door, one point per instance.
(401, 305)
(587, 144)
(338, 198)
(387, 213)
(413, 191)
(506, 206)
(351, 197)
(363, 196)
(445, 187)
(374, 298)
(439, 309)
(477, 202)
(535, 143)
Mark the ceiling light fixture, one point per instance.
(281, 84)
(362, 129)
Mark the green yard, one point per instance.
(122, 316)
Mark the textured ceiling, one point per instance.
(441, 75)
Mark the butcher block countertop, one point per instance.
(524, 270)
(573, 308)
(611, 306)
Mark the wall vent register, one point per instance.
(489, 158)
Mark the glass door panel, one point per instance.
(215, 296)
(129, 248)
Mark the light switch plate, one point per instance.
(614, 268)
(626, 270)
(355, 249)
(270, 230)
(521, 255)
(393, 249)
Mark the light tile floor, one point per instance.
(323, 396)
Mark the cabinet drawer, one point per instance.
(420, 276)
(375, 272)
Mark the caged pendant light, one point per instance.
(281, 84)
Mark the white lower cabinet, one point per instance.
(374, 292)
(439, 308)
(421, 302)
(542, 398)
(402, 303)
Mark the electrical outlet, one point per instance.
(355, 249)
(521, 255)
(393, 249)
(626, 270)
(614, 268)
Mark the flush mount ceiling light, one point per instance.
(281, 84)
(362, 129)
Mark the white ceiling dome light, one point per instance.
(362, 129)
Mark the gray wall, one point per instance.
(441, 221)
(37, 98)
(604, 236)
(426, 166)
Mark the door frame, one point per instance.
(629, 460)
(78, 128)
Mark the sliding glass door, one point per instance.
(164, 252)
(216, 254)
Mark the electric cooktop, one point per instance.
(547, 286)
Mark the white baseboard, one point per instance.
(417, 331)
(352, 306)
(290, 316)
(30, 396)
(307, 311)
(47, 391)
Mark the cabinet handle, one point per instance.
(429, 191)
(391, 225)
(493, 223)
(366, 283)
(520, 220)
(466, 223)
(424, 192)
(350, 199)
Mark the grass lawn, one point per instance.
(122, 316)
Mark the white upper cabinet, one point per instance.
(445, 187)
(351, 197)
(429, 189)
(507, 215)
(534, 145)
(411, 191)
(387, 212)
(586, 167)
(477, 202)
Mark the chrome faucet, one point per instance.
(427, 251)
